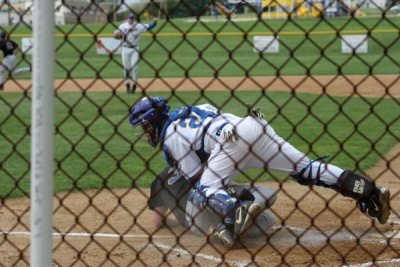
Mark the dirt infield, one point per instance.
(377, 86)
(113, 228)
(116, 224)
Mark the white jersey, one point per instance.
(187, 140)
(195, 136)
(132, 33)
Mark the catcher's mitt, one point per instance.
(118, 35)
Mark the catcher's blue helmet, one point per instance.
(150, 113)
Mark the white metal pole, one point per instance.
(42, 147)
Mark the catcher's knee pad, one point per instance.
(224, 205)
(197, 198)
(355, 186)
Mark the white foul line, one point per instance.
(101, 235)
(159, 245)
(204, 256)
(373, 263)
(392, 235)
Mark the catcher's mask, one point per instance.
(148, 116)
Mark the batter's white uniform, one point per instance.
(258, 147)
(130, 48)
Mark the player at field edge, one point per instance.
(130, 32)
(210, 148)
(9, 62)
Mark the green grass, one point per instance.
(232, 55)
(88, 158)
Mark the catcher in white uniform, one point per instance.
(130, 32)
(9, 62)
(212, 147)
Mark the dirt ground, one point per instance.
(364, 85)
(315, 226)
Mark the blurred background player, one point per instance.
(9, 49)
(129, 32)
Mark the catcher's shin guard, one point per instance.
(371, 198)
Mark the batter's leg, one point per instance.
(11, 63)
(8, 64)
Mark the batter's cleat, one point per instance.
(1, 86)
(379, 204)
(128, 88)
(224, 235)
(133, 88)
(245, 215)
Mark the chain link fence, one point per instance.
(325, 74)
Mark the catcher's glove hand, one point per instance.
(118, 35)
(256, 113)
(228, 133)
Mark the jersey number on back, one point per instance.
(194, 121)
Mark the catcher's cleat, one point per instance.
(128, 88)
(379, 204)
(245, 216)
(224, 235)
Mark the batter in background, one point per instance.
(9, 62)
(129, 32)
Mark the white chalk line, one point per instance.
(394, 220)
(201, 255)
(342, 235)
(372, 237)
(100, 235)
(119, 236)
(392, 262)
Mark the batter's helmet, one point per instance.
(150, 113)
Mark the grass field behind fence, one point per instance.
(88, 159)
(171, 54)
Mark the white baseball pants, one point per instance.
(9, 63)
(130, 61)
(259, 147)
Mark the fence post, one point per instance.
(42, 152)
